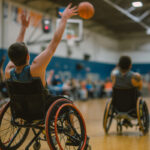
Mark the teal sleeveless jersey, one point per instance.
(24, 76)
(123, 80)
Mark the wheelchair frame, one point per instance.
(110, 113)
(38, 125)
(46, 125)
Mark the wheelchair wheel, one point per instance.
(143, 116)
(108, 116)
(11, 137)
(49, 122)
(70, 129)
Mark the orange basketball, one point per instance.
(86, 10)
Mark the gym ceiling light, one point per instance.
(137, 4)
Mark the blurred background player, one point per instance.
(3, 89)
(123, 77)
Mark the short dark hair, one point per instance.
(124, 63)
(17, 53)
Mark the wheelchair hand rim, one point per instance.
(56, 133)
(48, 115)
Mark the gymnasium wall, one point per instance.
(100, 48)
(104, 51)
(136, 47)
(68, 68)
(81, 69)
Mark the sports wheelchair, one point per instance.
(128, 109)
(26, 111)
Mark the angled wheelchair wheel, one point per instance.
(70, 129)
(108, 116)
(143, 116)
(49, 122)
(11, 137)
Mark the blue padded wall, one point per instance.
(68, 64)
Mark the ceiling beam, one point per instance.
(144, 15)
(128, 14)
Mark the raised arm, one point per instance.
(24, 25)
(41, 61)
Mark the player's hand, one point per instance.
(69, 12)
(25, 20)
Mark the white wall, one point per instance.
(101, 48)
(136, 47)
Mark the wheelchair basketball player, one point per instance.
(18, 68)
(123, 77)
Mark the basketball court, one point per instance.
(90, 48)
(131, 138)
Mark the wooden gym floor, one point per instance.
(92, 111)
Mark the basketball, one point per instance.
(86, 10)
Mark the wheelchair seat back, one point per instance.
(124, 100)
(27, 100)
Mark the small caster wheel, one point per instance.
(36, 146)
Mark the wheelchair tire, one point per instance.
(49, 122)
(143, 116)
(64, 126)
(9, 144)
(108, 116)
